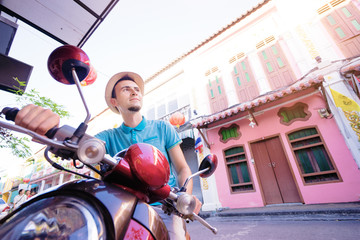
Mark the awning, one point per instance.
(185, 131)
(67, 21)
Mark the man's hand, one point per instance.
(197, 206)
(37, 119)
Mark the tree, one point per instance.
(19, 145)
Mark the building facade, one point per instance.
(261, 96)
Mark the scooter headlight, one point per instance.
(56, 217)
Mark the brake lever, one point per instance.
(203, 222)
(35, 136)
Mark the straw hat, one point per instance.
(114, 79)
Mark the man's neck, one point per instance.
(132, 120)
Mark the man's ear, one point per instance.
(113, 102)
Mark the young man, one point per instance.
(124, 95)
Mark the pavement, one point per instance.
(327, 212)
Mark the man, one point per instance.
(124, 95)
(19, 199)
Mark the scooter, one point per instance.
(117, 206)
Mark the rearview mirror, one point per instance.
(209, 162)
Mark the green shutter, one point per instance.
(346, 12)
(280, 62)
(331, 20)
(247, 76)
(264, 55)
(356, 24)
(234, 175)
(238, 81)
(245, 172)
(243, 65)
(274, 49)
(340, 32)
(321, 158)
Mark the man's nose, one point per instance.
(133, 92)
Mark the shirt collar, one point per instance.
(139, 127)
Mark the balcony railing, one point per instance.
(186, 110)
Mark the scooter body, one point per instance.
(84, 209)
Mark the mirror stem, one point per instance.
(77, 82)
(183, 188)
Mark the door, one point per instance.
(276, 180)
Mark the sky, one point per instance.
(138, 35)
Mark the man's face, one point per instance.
(128, 97)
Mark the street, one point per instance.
(278, 228)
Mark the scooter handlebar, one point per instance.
(10, 114)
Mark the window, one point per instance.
(298, 112)
(161, 110)
(315, 163)
(150, 114)
(343, 25)
(228, 133)
(238, 170)
(243, 79)
(217, 94)
(172, 105)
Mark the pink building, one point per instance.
(289, 151)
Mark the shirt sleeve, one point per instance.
(172, 137)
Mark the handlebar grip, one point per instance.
(10, 114)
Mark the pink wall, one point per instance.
(269, 124)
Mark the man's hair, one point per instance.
(126, 77)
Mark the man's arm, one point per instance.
(183, 171)
(181, 167)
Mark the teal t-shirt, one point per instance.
(155, 132)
